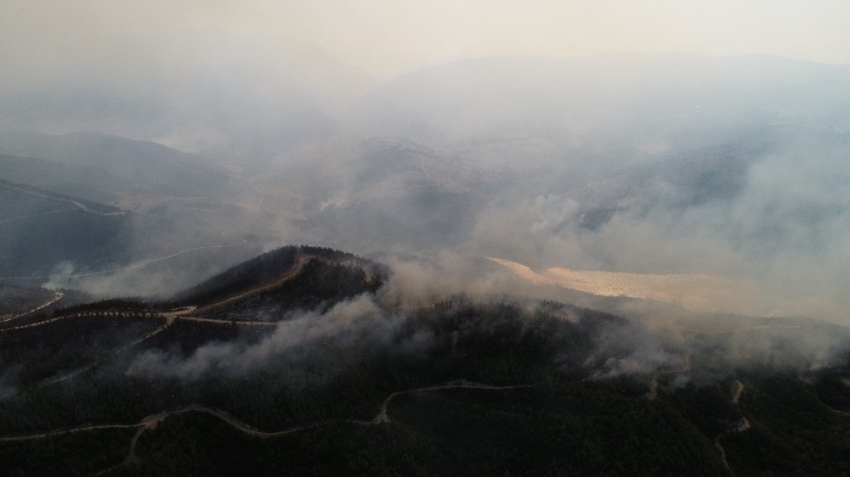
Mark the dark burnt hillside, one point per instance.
(241, 277)
(291, 276)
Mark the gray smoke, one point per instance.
(358, 322)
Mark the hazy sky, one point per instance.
(387, 37)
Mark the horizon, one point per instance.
(386, 39)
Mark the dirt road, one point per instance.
(383, 418)
(61, 432)
(145, 263)
(64, 200)
(300, 262)
(739, 388)
(653, 385)
(140, 264)
(86, 314)
(35, 215)
(105, 358)
(56, 297)
(150, 422)
(186, 313)
(189, 313)
(740, 426)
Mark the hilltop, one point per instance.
(292, 358)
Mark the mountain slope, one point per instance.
(463, 386)
(57, 229)
(283, 280)
(123, 164)
(235, 97)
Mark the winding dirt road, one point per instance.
(87, 314)
(56, 297)
(300, 262)
(189, 313)
(62, 199)
(653, 385)
(140, 264)
(62, 432)
(383, 418)
(112, 354)
(157, 259)
(739, 388)
(21, 217)
(740, 426)
(150, 422)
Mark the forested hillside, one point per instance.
(344, 386)
(59, 229)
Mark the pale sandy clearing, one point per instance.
(702, 293)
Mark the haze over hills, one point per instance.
(634, 255)
(646, 163)
(235, 96)
(132, 166)
(726, 166)
(84, 204)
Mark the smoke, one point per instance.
(424, 278)
(712, 347)
(60, 276)
(665, 167)
(628, 348)
(670, 164)
(367, 322)
(792, 347)
(299, 339)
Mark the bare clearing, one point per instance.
(695, 292)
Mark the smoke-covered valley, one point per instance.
(640, 235)
(647, 164)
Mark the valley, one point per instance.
(241, 241)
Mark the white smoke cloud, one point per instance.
(358, 321)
